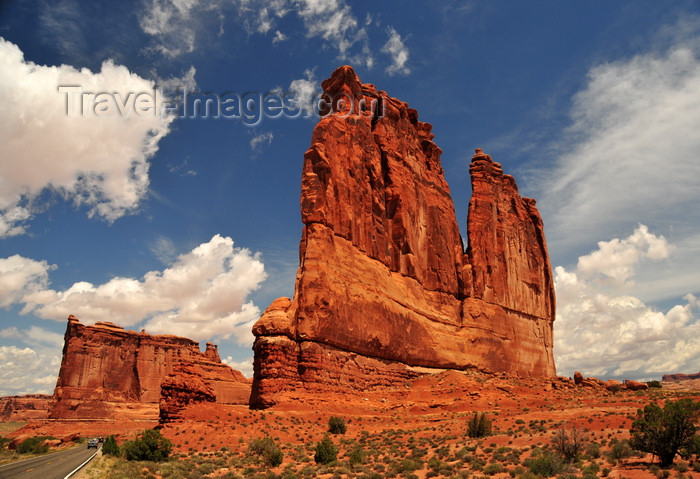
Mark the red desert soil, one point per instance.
(524, 412)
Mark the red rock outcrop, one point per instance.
(680, 377)
(385, 286)
(635, 385)
(181, 388)
(107, 371)
(24, 408)
(613, 386)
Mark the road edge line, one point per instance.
(82, 465)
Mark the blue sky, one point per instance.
(190, 226)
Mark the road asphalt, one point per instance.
(56, 465)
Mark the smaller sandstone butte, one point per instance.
(24, 408)
(680, 381)
(107, 371)
(385, 285)
(680, 377)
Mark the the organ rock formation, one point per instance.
(107, 371)
(386, 287)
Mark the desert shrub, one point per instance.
(356, 456)
(406, 466)
(442, 452)
(663, 432)
(3, 442)
(479, 425)
(569, 444)
(418, 452)
(336, 425)
(150, 446)
(492, 469)
(692, 448)
(267, 450)
(593, 450)
(110, 446)
(435, 464)
(620, 449)
(206, 468)
(615, 388)
(32, 445)
(654, 384)
(545, 464)
(326, 451)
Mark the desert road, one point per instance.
(51, 466)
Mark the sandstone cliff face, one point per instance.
(181, 388)
(24, 408)
(385, 286)
(107, 370)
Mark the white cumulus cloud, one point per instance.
(101, 163)
(602, 330)
(27, 371)
(245, 366)
(398, 52)
(20, 276)
(202, 295)
(616, 259)
(305, 90)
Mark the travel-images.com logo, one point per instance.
(249, 108)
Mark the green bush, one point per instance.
(663, 432)
(33, 445)
(151, 446)
(620, 449)
(336, 425)
(591, 470)
(110, 446)
(569, 444)
(615, 388)
(593, 450)
(3, 442)
(479, 425)
(654, 384)
(267, 450)
(407, 465)
(356, 456)
(326, 451)
(492, 469)
(545, 464)
(692, 448)
(274, 458)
